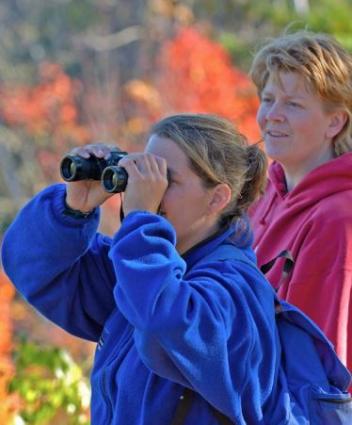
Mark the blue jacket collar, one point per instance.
(239, 234)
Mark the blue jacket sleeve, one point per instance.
(60, 264)
(194, 327)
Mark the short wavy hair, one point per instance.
(325, 65)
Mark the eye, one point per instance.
(266, 99)
(294, 104)
(170, 180)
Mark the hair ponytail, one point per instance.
(255, 178)
(252, 184)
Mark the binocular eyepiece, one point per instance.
(112, 177)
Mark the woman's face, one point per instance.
(186, 201)
(296, 129)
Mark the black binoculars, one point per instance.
(112, 177)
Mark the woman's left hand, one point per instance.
(147, 182)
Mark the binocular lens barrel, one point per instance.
(74, 167)
(70, 168)
(114, 179)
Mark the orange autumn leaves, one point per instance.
(47, 113)
(194, 74)
(9, 403)
(197, 75)
(49, 106)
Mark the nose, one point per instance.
(274, 112)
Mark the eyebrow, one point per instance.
(286, 95)
(294, 94)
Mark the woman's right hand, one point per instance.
(86, 195)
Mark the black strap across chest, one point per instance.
(184, 406)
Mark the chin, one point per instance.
(275, 154)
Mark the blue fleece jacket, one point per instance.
(162, 322)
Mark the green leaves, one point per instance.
(51, 386)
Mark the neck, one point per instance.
(208, 233)
(295, 173)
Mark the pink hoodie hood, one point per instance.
(326, 180)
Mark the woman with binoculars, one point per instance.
(185, 333)
(164, 318)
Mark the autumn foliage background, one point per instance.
(181, 56)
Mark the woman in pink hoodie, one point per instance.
(304, 81)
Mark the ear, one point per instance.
(220, 196)
(336, 123)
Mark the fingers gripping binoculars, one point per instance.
(113, 178)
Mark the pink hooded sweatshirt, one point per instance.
(314, 222)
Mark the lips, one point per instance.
(275, 133)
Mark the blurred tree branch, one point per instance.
(111, 41)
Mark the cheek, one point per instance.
(165, 198)
(261, 116)
(305, 128)
(169, 199)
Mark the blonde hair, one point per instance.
(325, 65)
(218, 153)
